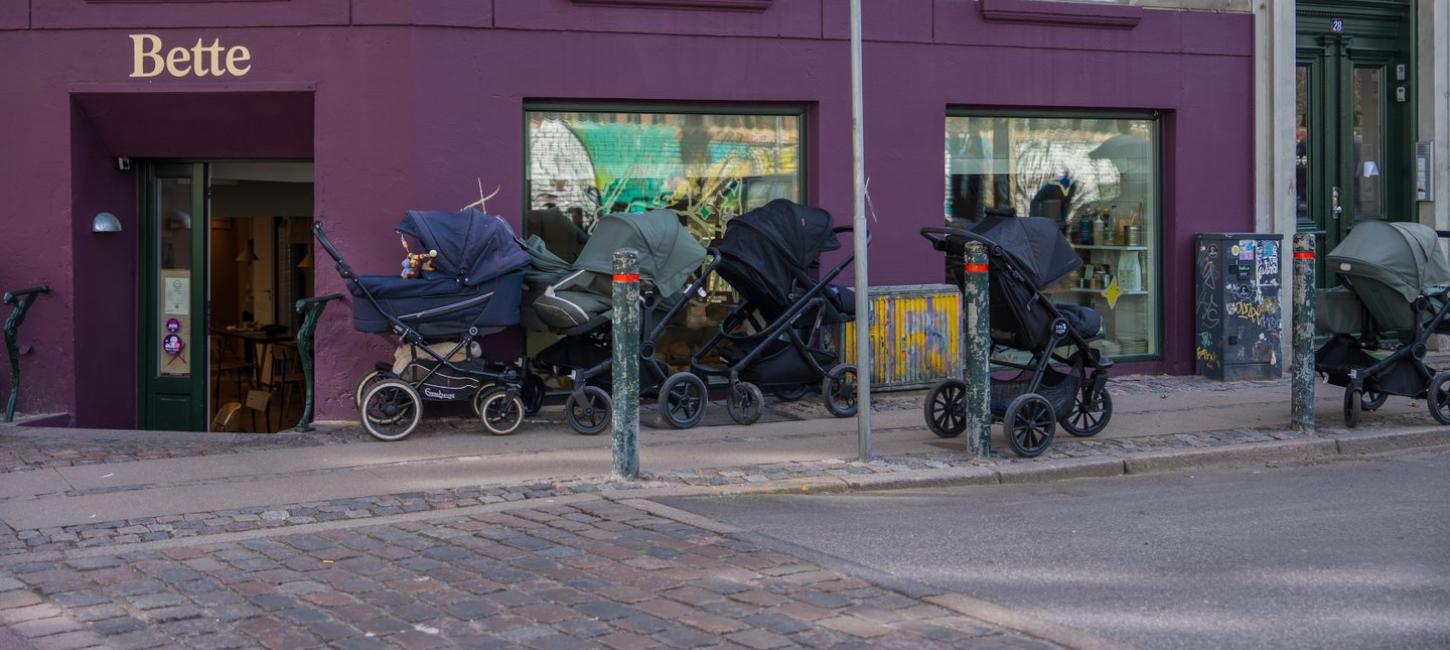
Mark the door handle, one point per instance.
(1337, 209)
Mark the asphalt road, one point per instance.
(1351, 554)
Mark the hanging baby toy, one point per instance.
(416, 264)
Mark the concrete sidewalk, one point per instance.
(1146, 410)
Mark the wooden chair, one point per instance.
(223, 365)
(280, 373)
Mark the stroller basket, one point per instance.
(1058, 387)
(779, 364)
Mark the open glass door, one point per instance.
(173, 349)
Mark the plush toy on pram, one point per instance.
(416, 264)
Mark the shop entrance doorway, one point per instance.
(1354, 117)
(226, 251)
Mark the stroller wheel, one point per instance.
(1029, 424)
(791, 393)
(1373, 400)
(839, 391)
(1088, 416)
(390, 410)
(946, 408)
(1354, 405)
(1438, 397)
(367, 381)
(589, 410)
(746, 403)
(682, 400)
(500, 410)
(533, 395)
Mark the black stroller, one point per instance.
(577, 305)
(1394, 295)
(1027, 255)
(474, 291)
(775, 338)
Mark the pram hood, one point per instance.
(1402, 257)
(668, 253)
(545, 268)
(1036, 246)
(782, 230)
(472, 246)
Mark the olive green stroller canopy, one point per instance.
(1386, 267)
(668, 254)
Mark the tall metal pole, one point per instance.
(625, 350)
(1301, 370)
(859, 237)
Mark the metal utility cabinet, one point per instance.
(1236, 306)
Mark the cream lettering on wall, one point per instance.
(151, 58)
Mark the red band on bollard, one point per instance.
(975, 268)
(1303, 255)
(626, 277)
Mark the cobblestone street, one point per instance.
(589, 573)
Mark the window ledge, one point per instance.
(1061, 13)
(727, 5)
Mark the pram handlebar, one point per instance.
(940, 244)
(342, 267)
(1444, 234)
(851, 229)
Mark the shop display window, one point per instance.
(1098, 178)
(706, 166)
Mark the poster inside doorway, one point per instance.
(173, 324)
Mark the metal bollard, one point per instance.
(1301, 370)
(311, 310)
(625, 338)
(976, 366)
(22, 300)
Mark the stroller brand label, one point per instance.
(199, 60)
(438, 394)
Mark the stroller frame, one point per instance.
(506, 380)
(745, 400)
(1368, 382)
(1073, 396)
(682, 396)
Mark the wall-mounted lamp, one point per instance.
(105, 222)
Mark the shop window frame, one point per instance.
(1156, 119)
(800, 110)
(797, 110)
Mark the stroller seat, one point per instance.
(1086, 321)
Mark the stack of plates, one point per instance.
(1133, 346)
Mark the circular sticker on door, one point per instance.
(173, 325)
(172, 344)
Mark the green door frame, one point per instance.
(1377, 34)
(173, 402)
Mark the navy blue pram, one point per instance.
(478, 282)
(474, 291)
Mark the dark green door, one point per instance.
(173, 346)
(1354, 116)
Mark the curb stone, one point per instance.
(1294, 451)
(968, 475)
(1057, 470)
(1378, 442)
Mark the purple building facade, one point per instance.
(405, 104)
